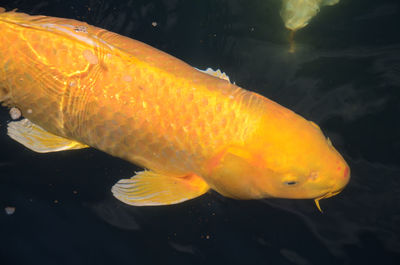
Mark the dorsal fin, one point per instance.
(216, 73)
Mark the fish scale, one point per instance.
(97, 94)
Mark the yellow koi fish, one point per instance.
(78, 85)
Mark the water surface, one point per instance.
(345, 76)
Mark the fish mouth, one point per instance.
(326, 195)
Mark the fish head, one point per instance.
(304, 163)
(290, 158)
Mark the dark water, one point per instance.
(345, 76)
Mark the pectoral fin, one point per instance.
(37, 139)
(148, 188)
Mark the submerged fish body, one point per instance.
(78, 85)
(296, 14)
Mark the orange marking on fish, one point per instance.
(346, 172)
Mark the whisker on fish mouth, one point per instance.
(317, 202)
(327, 195)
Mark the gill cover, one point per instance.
(237, 173)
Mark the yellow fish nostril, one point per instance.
(313, 176)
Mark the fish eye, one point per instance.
(290, 183)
